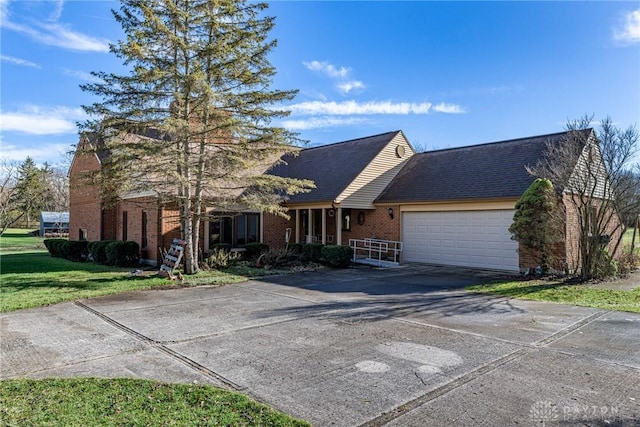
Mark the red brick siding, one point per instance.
(85, 208)
(529, 259)
(109, 223)
(573, 234)
(274, 228)
(377, 223)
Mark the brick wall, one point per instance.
(135, 209)
(373, 223)
(529, 259)
(85, 208)
(573, 233)
(377, 224)
(274, 228)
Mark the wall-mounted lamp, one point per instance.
(390, 212)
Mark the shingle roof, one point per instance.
(332, 167)
(486, 171)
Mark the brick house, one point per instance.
(451, 207)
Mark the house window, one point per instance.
(144, 230)
(82, 234)
(125, 225)
(235, 230)
(346, 219)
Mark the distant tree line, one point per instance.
(27, 189)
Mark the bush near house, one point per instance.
(123, 254)
(222, 246)
(312, 252)
(75, 250)
(296, 247)
(220, 259)
(97, 250)
(54, 246)
(107, 252)
(337, 256)
(254, 250)
(69, 249)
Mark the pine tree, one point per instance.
(198, 98)
(30, 190)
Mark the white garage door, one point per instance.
(467, 238)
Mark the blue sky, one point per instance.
(446, 73)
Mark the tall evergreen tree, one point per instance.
(30, 190)
(198, 98)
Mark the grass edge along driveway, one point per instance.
(116, 402)
(550, 291)
(35, 278)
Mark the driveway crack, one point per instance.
(404, 408)
(203, 370)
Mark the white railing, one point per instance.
(375, 249)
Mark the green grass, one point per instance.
(34, 279)
(129, 402)
(628, 236)
(567, 294)
(16, 239)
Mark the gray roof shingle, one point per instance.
(486, 171)
(332, 167)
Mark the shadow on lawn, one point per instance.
(18, 284)
(520, 290)
(43, 262)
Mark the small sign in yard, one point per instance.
(172, 258)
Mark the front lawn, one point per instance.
(17, 239)
(130, 402)
(582, 295)
(33, 279)
(627, 238)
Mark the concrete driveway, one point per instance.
(400, 347)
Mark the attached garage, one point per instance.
(478, 239)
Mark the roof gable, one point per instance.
(487, 171)
(331, 167)
(375, 177)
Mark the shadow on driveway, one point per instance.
(370, 294)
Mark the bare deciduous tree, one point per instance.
(9, 208)
(592, 169)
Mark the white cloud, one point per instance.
(36, 120)
(371, 107)
(327, 69)
(321, 122)
(448, 108)
(81, 75)
(340, 74)
(61, 35)
(629, 31)
(347, 87)
(18, 61)
(50, 153)
(53, 33)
